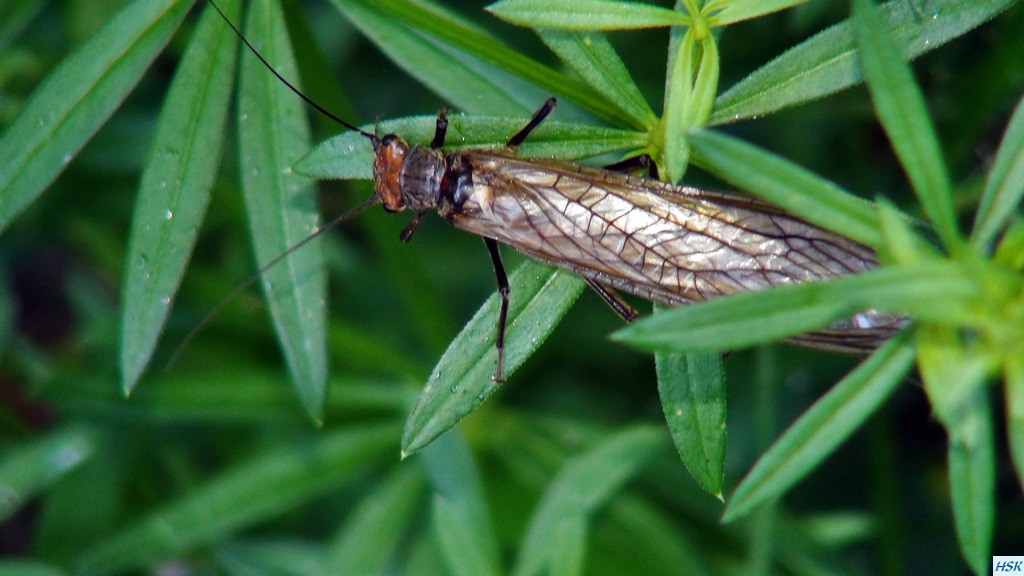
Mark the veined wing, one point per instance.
(673, 245)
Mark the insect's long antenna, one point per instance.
(248, 281)
(373, 137)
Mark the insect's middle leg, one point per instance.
(538, 117)
(503, 290)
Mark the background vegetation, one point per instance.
(216, 465)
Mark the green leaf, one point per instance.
(261, 487)
(584, 484)
(1004, 186)
(27, 469)
(78, 97)
(282, 206)
(952, 373)
(827, 62)
(1013, 382)
(372, 533)
(592, 57)
(462, 380)
(461, 519)
(261, 557)
(901, 245)
(473, 86)
(586, 14)
(972, 471)
(820, 430)
(175, 187)
(349, 155)
(788, 186)
(433, 21)
(747, 319)
(1010, 252)
(14, 567)
(902, 111)
(954, 378)
(692, 391)
(679, 104)
(732, 11)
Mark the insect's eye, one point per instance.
(388, 139)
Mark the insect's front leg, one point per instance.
(440, 130)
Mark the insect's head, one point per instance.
(388, 156)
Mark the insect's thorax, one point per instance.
(408, 178)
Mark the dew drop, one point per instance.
(169, 215)
(66, 158)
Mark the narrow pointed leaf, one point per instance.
(461, 519)
(78, 97)
(1005, 184)
(377, 526)
(820, 430)
(27, 469)
(282, 206)
(788, 186)
(827, 62)
(972, 471)
(175, 187)
(1014, 391)
(753, 318)
(456, 33)
(586, 14)
(732, 11)
(675, 154)
(592, 57)
(692, 391)
(468, 87)
(584, 484)
(259, 488)
(349, 155)
(462, 380)
(902, 111)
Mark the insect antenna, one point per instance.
(375, 199)
(373, 137)
(248, 281)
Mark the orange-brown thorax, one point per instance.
(389, 155)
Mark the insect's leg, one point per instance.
(503, 290)
(412, 226)
(440, 130)
(537, 118)
(635, 164)
(612, 298)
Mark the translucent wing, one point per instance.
(673, 245)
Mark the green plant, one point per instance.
(224, 403)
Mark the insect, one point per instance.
(674, 245)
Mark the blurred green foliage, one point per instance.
(214, 465)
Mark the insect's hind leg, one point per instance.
(643, 162)
(617, 304)
(519, 137)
